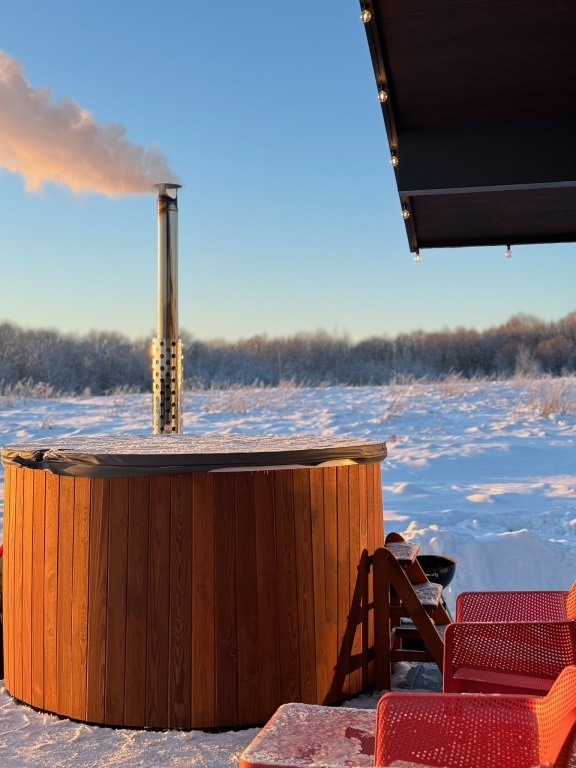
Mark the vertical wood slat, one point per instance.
(357, 585)
(38, 528)
(52, 515)
(116, 607)
(80, 562)
(10, 512)
(304, 584)
(374, 473)
(203, 580)
(65, 582)
(158, 628)
(180, 603)
(323, 671)
(370, 513)
(247, 606)
(97, 600)
(27, 515)
(343, 581)
(17, 533)
(363, 501)
(376, 540)
(374, 502)
(226, 639)
(378, 495)
(331, 573)
(381, 621)
(363, 574)
(266, 595)
(286, 586)
(5, 574)
(136, 600)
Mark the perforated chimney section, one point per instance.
(166, 347)
(167, 368)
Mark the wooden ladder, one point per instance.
(402, 591)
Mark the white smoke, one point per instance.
(46, 140)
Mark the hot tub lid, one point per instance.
(129, 455)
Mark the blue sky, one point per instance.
(289, 217)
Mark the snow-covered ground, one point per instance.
(481, 471)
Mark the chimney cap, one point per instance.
(163, 187)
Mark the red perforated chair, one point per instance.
(514, 657)
(516, 606)
(477, 731)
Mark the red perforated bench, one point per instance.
(305, 735)
(426, 729)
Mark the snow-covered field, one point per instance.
(481, 471)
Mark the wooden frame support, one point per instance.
(395, 598)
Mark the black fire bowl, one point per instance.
(438, 568)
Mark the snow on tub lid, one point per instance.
(129, 455)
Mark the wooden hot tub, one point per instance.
(188, 582)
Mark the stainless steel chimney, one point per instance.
(167, 347)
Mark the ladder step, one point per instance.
(405, 632)
(401, 612)
(406, 654)
(428, 593)
(403, 551)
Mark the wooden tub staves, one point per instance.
(189, 599)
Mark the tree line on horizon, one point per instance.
(102, 362)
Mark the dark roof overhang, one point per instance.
(481, 115)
